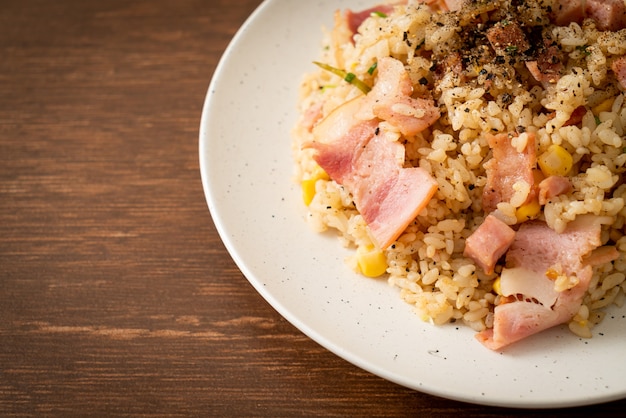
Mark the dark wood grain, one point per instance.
(117, 296)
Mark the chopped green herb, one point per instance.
(511, 49)
(584, 49)
(349, 77)
(371, 70)
(598, 121)
(379, 14)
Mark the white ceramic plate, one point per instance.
(246, 167)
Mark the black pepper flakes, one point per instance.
(406, 40)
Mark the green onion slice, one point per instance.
(371, 70)
(349, 77)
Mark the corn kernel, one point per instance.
(528, 211)
(552, 274)
(556, 161)
(605, 106)
(308, 185)
(371, 261)
(308, 190)
(497, 286)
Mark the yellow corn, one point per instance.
(556, 161)
(308, 185)
(552, 274)
(497, 287)
(528, 211)
(371, 261)
(605, 106)
(308, 190)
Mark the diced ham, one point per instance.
(356, 153)
(619, 68)
(452, 63)
(507, 38)
(533, 68)
(347, 24)
(356, 19)
(505, 168)
(553, 186)
(531, 302)
(608, 14)
(454, 5)
(488, 243)
(390, 100)
(576, 116)
(547, 66)
(565, 12)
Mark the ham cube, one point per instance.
(488, 243)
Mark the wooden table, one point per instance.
(117, 296)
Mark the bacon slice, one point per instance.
(357, 154)
(532, 304)
(506, 168)
(390, 100)
(488, 243)
(389, 197)
(601, 255)
(311, 116)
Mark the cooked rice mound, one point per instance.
(480, 90)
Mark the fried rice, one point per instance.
(480, 91)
